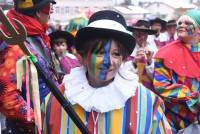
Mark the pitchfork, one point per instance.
(18, 37)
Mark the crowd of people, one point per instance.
(138, 79)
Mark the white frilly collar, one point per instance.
(103, 99)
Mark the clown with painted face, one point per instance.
(103, 61)
(177, 73)
(188, 29)
(107, 98)
(15, 101)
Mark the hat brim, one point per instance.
(145, 30)
(90, 32)
(162, 22)
(62, 34)
(53, 1)
(159, 21)
(171, 24)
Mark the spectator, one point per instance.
(143, 52)
(158, 40)
(171, 31)
(61, 42)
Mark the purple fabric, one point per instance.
(68, 63)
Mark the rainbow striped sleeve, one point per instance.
(160, 124)
(166, 85)
(180, 94)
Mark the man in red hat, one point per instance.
(15, 103)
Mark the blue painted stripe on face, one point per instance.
(106, 61)
(191, 29)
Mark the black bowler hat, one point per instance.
(158, 20)
(171, 23)
(106, 24)
(62, 34)
(143, 26)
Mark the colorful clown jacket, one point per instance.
(177, 81)
(122, 107)
(13, 102)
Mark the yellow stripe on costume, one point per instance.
(161, 127)
(116, 121)
(63, 123)
(81, 114)
(193, 88)
(100, 123)
(182, 79)
(164, 71)
(182, 124)
(166, 92)
(45, 103)
(44, 110)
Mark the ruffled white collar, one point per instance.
(103, 99)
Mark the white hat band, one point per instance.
(108, 24)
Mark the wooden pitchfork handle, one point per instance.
(18, 37)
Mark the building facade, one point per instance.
(6, 4)
(67, 9)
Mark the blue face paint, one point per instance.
(106, 61)
(191, 29)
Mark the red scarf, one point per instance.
(32, 25)
(179, 58)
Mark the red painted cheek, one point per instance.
(46, 9)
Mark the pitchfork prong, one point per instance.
(14, 37)
(3, 36)
(6, 22)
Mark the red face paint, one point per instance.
(46, 9)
